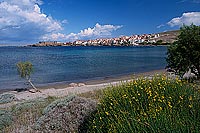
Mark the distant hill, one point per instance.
(168, 36)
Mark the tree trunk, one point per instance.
(29, 80)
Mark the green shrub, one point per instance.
(58, 103)
(157, 105)
(5, 118)
(28, 105)
(65, 115)
(6, 98)
(24, 114)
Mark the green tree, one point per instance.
(25, 69)
(184, 54)
(159, 42)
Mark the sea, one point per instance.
(54, 65)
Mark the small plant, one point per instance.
(157, 105)
(25, 69)
(6, 98)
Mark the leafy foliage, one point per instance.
(157, 105)
(184, 54)
(25, 69)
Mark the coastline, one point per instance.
(103, 80)
(61, 90)
(99, 80)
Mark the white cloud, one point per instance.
(89, 33)
(186, 18)
(65, 21)
(23, 21)
(160, 26)
(191, 1)
(98, 31)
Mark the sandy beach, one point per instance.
(64, 90)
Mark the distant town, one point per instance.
(164, 38)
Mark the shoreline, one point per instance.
(64, 90)
(98, 80)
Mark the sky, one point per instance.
(25, 22)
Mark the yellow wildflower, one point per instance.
(159, 100)
(181, 97)
(107, 113)
(124, 96)
(190, 98)
(94, 126)
(169, 104)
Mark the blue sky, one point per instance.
(29, 21)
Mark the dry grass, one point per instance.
(95, 95)
(25, 114)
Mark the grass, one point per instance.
(157, 105)
(95, 94)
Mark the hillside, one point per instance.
(168, 37)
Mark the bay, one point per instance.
(77, 64)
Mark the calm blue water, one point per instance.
(71, 64)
